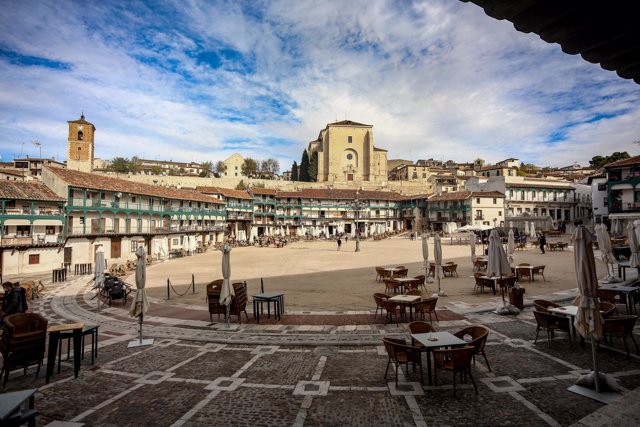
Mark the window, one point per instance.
(499, 213)
(349, 139)
(424, 175)
(522, 195)
(79, 148)
(478, 200)
(533, 194)
(175, 242)
(511, 193)
(349, 156)
(80, 135)
(34, 259)
(23, 230)
(495, 201)
(50, 229)
(510, 172)
(134, 246)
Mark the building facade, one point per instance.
(80, 145)
(346, 153)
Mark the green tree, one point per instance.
(249, 167)
(134, 165)
(303, 172)
(120, 165)
(600, 161)
(294, 171)
(156, 170)
(313, 167)
(241, 186)
(207, 168)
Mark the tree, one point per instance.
(249, 167)
(599, 161)
(156, 170)
(313, 167)
(241, 186)
(294, 171)
(221, 168)
(270, 166)
(303, 172)
(120, 165)
(207, 168)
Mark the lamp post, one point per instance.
(357, 205)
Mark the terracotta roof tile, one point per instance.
(106, 183)
(226, 192)
(631, 161)
(31, 190)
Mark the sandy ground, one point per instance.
(316, 277)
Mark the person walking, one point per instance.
(339, 241)
(542, 241)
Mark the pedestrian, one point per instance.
(339, 243)
(346, 238)
(13, 300)
(542, 241)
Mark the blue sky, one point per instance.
(190, 80)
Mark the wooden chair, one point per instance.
(607, 309)
(544, 305)
(400, 353)
(484, 282)
(420, 327)
(450, 269)
(421, 280)
(620, 327)
(391, 286)
(428, 305)
(239, 301)
(403, 272)
(524, 272)
(479, 336)
(413, 285)
(539, 270)
(213, 298)
(379, 299)
(506, 283)
(380, 273)
(551, 323)
(23, 342)
(456, 360)
(479, 264)
(394, 309)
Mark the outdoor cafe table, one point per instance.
(10, 412)
(409, 300)
(402, 281)
(54, 340)
(623, 289)
(622, 269)
(434, 340)
(569, 311)
(277, 298)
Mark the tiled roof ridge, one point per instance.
(27, 190)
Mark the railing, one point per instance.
(38, 239)
(28, 211)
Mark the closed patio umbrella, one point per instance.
(634, 260)
(99, 279)
(140, 303)
(472, 244)
(588, 321)
(606, 251)
(510, 245)
(226, 293)
(425, 256)
(497, 261)
(437, 254)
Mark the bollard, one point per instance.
(193, 284)
(168, 289)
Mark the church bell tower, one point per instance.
(80, 145)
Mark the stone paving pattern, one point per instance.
(198, 374)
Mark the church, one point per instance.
(346, 153)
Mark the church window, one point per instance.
(80, 135)
(350, 139)
(349, 156)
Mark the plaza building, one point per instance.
(623, 193)
(346, 153)
(233, 166)
(238, 208)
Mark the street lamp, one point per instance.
(357, 205)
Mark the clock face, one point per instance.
(79, 127)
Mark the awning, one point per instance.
(624, 186)
(47, 222)
(16, 222)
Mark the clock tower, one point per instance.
(80, 145)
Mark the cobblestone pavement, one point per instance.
(198, 373)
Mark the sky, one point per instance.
(190, 80)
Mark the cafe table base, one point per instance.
(54, 342)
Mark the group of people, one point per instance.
(14, 301)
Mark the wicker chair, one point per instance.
(538, 270)
(400, 353)
(621, 327)
(544, 305)
(551, 323)
(456, 360)
(380, 298)
(607, 309)
(420, 327)
(380, 273)
(394, 309)
(524, 272)
(479, 336)
(23, 342)
(428, 305)
(239, 302)
(506, 283)
(213, 298)
(421, 281)
(450, 269)
(402, 272)
(484, 282)
(391, 286)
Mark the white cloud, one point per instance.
(197, 81)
